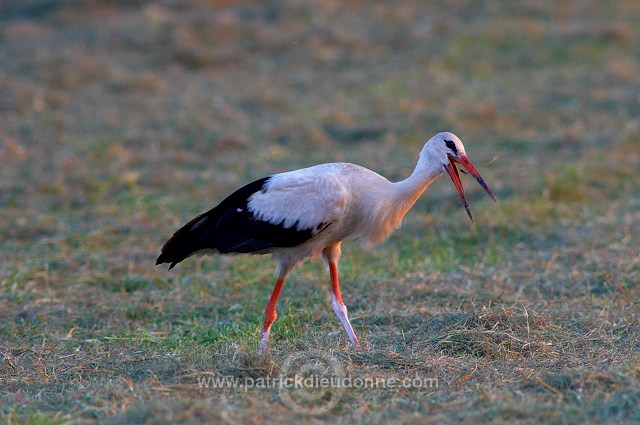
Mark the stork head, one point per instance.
(448, 150)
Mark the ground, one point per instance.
(120, 121)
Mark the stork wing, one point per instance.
(283, 210)
(311, 198)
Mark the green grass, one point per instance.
(121, 121)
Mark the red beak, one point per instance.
(455, 177)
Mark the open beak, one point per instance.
(455, 178)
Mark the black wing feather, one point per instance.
(231, 228)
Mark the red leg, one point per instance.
(338, 305)
(270, 314)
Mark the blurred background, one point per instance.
(162, 96)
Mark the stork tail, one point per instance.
(187, 240)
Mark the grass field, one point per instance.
(120, 120)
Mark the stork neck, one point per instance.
(423, 175)
(391, 201)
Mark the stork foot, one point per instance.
(270, 315)
(341, 311)
(263, 340)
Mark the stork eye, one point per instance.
(451, 146)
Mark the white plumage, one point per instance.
(302, 198)
(300, 214)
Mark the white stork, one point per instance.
(299, 214)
